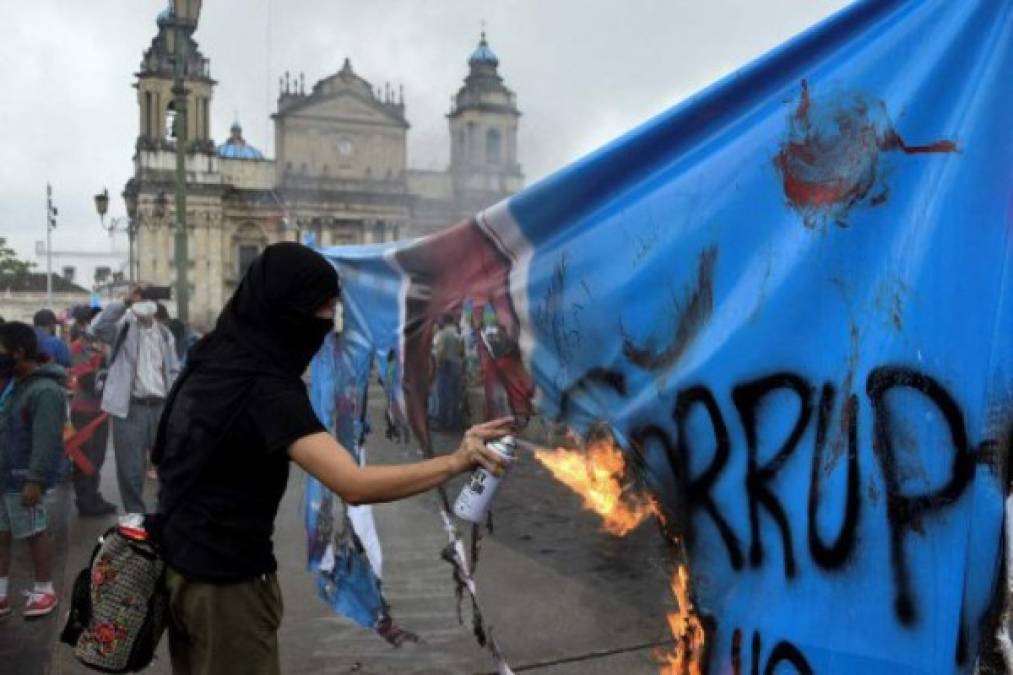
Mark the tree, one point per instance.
(10, 266)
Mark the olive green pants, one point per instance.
(221, 629)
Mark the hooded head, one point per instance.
(272, 316)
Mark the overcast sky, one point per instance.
(584, 71)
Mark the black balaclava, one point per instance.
(268, 329)
(270, 319)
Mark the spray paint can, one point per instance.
(477, 493)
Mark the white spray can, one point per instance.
(477, 493)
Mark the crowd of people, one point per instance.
(65, 383)
(460, 344)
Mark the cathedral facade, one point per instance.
(340, 173)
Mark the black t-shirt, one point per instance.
(221, 531)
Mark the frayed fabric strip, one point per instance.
(455, 555)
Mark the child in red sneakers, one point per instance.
(33, 410)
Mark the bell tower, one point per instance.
(483, 134)
(154, 92)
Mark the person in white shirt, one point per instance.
(142, 367)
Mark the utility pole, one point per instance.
(181, 255)
(50, 226)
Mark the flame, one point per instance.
(596, 476)
(687, 657)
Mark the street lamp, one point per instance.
(51, 213)
(185, 14)
(102, 203)
(130, 199)
(126, 223)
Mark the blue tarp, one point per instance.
(790, 296)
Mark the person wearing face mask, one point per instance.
(236, 419)
(33, 409)
(142, 367)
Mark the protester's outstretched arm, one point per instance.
(323, 457)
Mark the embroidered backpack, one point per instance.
(119, 604)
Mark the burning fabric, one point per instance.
(599, 474)
(789, 301)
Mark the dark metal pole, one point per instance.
(180, 254)
(50, 223)
(130, 249)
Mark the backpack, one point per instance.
(119, 603)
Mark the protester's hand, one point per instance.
(472, 451)
(31, 494)
(134, 294)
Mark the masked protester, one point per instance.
(142, 367)
(235, 419)
(33, 409)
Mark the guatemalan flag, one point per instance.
(790, 298)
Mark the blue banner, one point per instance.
(789, 301)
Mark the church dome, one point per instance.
(483, 54)
(483, 87)
(165, 16)
(236, 147)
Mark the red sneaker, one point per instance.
(40, 604)
(5, 608)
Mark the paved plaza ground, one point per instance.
(562, 597)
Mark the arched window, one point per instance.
(196, 109)
(249, 240)
(149, 115)
(247, 254)
(493, 146)
(170, 121)
(472, 146)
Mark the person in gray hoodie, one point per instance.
(33, 411)
(142, 367)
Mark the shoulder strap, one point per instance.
(120, 339)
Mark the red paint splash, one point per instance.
(895, 142)
(802, 112)
(830, 161)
